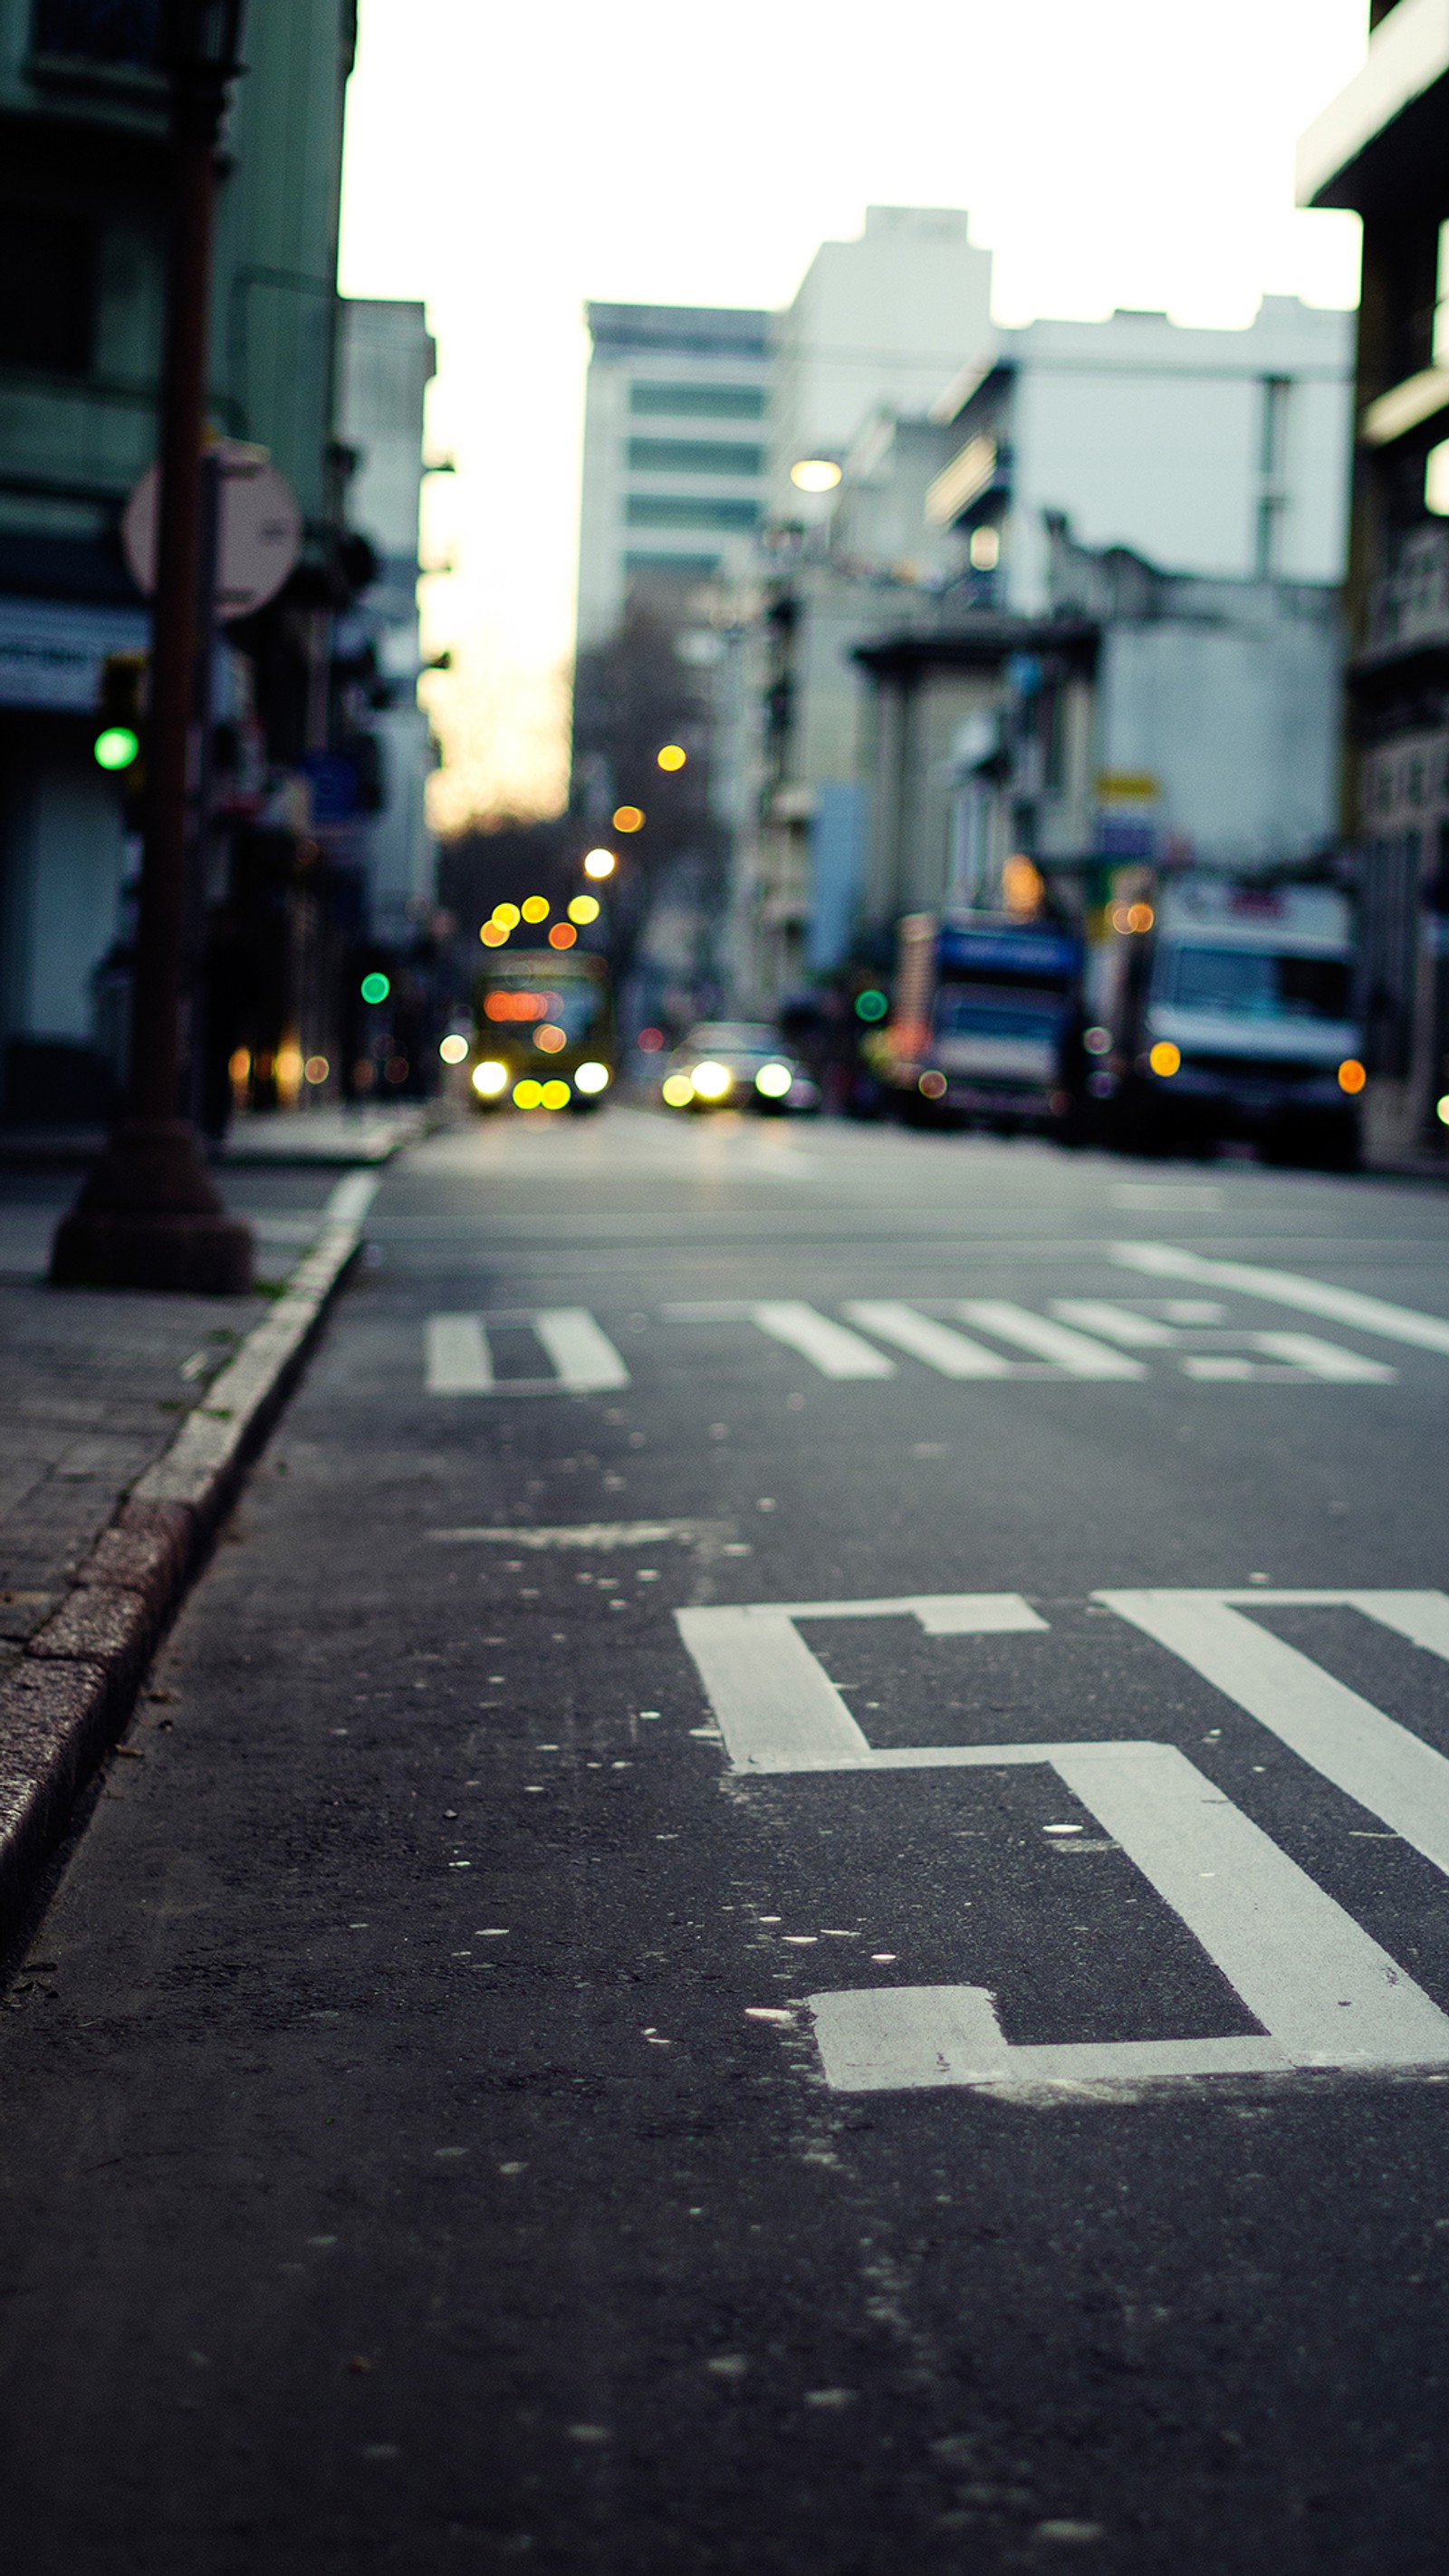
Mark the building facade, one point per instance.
(1223, 453)
(676, 417)
(1382, 149)
(84, 128)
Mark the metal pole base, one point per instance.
(150, 1216)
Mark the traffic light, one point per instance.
(118, 745)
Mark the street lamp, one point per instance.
(150, 1214)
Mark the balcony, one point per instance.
(1409, 607)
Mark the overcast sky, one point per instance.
(504, 164)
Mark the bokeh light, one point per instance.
(1351, 1075)
(711, 1081)
(584, 909)
(375, 988)
(507, 915)
(628, 818)
(815, 474)
(1165, 1058)
(489, 1078)
(591, 1078)
(677, 1091)
(562, 935)
(600, 863)
(316, 1069)
(493, 934)
(871, 1005)
(932, 1086)
(650, 1041)
(556, 1095)
(773, 1081)
(536, 907)
(672, 756)
(550, 1038)
(528, 1095)
(453, 1050)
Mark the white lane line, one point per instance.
(1286, 1288)
(1070, 1350)
(349, 1202)
(1325, 1359)
(1326, 1994)
(1367, 1755)
(777, 1707)
(826, 1345)
(585, 1358)
(952, 1353)
(1115, 1323)
(594, 1535)
(458, 1358)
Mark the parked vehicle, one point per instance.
(543, 1031)
(984, 1023)
(1225, 1008)
(737, 1064)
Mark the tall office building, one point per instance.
(675, 433)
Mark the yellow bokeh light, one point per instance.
(493, 934)
(815, 474)
(678, 1091)
(535, 907)
(556, 1095)
(628, 818)
(600, 863)
(673, 756)
(508, 914)
(584, 909)
(1165, 1058)
(528, 1095)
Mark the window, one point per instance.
(698, 402)
(47, 290)
(99, 31)
(1253, 984)
(668, 510)
(673, 567)
(693, 456)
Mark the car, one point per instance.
(736, 1064)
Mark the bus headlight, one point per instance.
(711, 1081)
(489, 1078)
(591, 1077)
(774, 1080)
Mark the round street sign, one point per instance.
(260, 536)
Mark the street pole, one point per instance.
(150, 1214)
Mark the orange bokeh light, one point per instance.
(562, 935)
(628, 818)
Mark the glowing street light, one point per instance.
(815, 474)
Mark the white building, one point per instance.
(675, 426)
(886, 319)
(1223, 453)
(386, 360)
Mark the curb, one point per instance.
(75, 1685)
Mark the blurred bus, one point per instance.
(543, 1031)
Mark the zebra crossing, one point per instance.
(872, 1339)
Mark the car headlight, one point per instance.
(591, 1077)
(711, 1081)
(489, 1078)
(453, 1049)
(677, 1091)
(774, 1080)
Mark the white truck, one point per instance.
(1224, 1007)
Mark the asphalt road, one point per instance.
(548, 2060)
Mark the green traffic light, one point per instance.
(871, 1006)
(375, 988)
(117, 747)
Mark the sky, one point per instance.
(505, 164)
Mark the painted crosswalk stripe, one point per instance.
(1285, 1288)
(953, 1354)
(1070, 1350)
(1115, 1323)
(826, 1345)
(585, 1358)
(458, 1358)
(1324, 1359)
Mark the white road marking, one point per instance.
(1367, 1755)
(826, 1345)
(591, 1534)
(585, 1358)
(1325, 1359)
(951, 1353)
(349, 1202)
(458, 1358)
(1326, 1994)
(1286, 1288)
(1115, 1323)
(1070, 1350)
